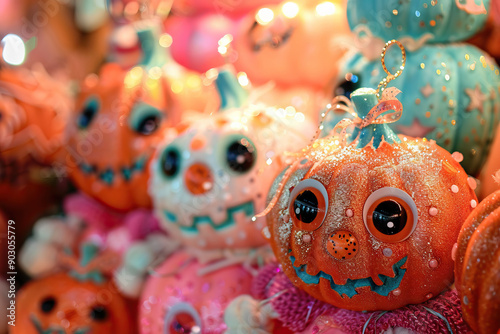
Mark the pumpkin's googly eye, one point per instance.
(145, 119)
(308, 204)
(390, 215)
(170, 162)
(48, 304)
(99, 313)
(182, 318)
(241, 155)
(90, 109)
(149, 125)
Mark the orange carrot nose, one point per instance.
(342, 245)
(198, 179)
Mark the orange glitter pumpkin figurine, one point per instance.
(477, 266)
(76, 302)
(369, 225)
(119, 118)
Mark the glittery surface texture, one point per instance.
(443, 20)
(451, 93)
(477, 266)
(178, 281)
(428, 175)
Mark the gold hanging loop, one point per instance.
(383, 84)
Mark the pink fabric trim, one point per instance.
(299, 310)
(139, 223)
(93, 213)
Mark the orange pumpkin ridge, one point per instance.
(477, 266)
(483, 209)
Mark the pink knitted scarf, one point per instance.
(297, 310)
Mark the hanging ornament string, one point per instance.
(383, 84)
(343, 104)
(388, 110)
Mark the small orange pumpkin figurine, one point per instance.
(369, 225)
(76, 303)
(477, 266)
(119, 118)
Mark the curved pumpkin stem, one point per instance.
(232, 95)
(365, 100)
(152, 53)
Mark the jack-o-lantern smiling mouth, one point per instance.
(247, 208)
(349, 288)
(55, 329)
(108, 175)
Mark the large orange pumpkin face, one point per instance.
(61, 304)
(118, 120)
(477, 266)
(371, 229)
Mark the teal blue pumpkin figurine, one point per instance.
(433, 21)
(451, 91)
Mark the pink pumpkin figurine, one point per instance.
(294, 43)
(181, 298)
(197, 26)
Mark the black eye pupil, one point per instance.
(305, 206)
(240, 156)
(148, 125)
(170, 163)
(48, 304)
(389, 217)
(349, 85)
(99, 313)
(87, 114)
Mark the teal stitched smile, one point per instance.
(108, 175)
(247, 208)
(349, 288)
(54, 329)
